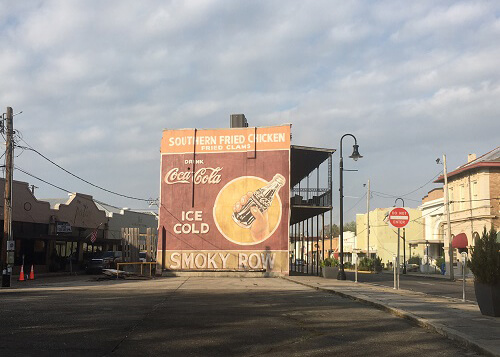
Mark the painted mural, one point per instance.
(225, 199)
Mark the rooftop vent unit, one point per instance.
(238, 121)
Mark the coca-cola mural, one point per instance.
(225, 199)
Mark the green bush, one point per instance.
(329, 262)
(377, 264)
(485, 258)
(348, 265)
(440, 261)
(415, 260)
(365, 264)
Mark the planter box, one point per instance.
(488, 298)
(330, 272)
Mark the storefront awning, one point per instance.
(459, 241)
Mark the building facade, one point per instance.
(383, 239)
(474, 196)
(47, 232)
(430, 246)
(225, 200)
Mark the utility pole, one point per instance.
(448, 223)
(7, 247)
(368, 221)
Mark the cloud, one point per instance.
(98, 81)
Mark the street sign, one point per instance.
(399, 217)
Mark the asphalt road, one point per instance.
(201, 317)
(432, 286)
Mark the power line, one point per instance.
(71, 192)
(356, 203)
(425, 184)
(78, 177)
(387, 195)
(38, 178)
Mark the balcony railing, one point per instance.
(314, 197)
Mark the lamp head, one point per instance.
(438, 161)
(355, 153)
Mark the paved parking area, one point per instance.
(201, 317)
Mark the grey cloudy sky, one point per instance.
(97, 81)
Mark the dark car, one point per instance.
(104, 260)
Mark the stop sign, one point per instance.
(399, 217)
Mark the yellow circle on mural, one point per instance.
(233, 196)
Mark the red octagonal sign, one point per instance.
(399, 217)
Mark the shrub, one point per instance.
(415, 260)
(348, 265)
(485, 258)
(366, 264)
(377, 264)
(440, 261)
(329, 262)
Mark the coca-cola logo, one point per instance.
(205, 175)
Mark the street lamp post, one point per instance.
(404, 241)
(355, 156)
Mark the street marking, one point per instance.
(419, 282)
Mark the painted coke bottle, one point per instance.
(261, 198)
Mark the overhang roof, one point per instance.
(303, 160)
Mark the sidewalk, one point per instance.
(458, 321)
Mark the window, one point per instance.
(462, 197)
(474, 193)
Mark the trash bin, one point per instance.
(443, 268)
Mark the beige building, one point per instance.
(47, 232)
(430, 246)
(474, 192)
(383, 238)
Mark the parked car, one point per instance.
(105, 260)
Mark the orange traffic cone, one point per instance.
(32, 273)
(21, 274)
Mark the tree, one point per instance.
(350, 226)
(336, 230)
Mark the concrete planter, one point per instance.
(330, 272)
(488, 298)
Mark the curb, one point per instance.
(447, 332)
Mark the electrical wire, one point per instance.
(356, 203)
(78, 177)
(70, 192)
(38, 178)
(425, 184)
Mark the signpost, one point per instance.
(398, 218)
(355, 252)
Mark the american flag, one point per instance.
(93, 236)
